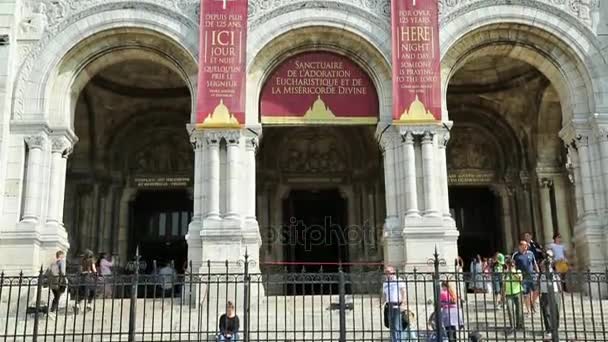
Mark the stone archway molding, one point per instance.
(39, 81)
(556, 47)
(324, 36)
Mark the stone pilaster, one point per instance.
(53, 236)
(392, 237)
(224, 178)
(421, 234)
(428, 170)
(410, 176)
(37, 146)
(545, 185)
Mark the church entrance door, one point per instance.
(476, 212)
(158, 225)
(314, 223)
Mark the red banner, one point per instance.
(416, 61)
(221, 75)
(319, 88)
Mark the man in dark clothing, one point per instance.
(229, 325)
(534, 247)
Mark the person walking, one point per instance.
(550, 299)
(451, 315)
(560, 258)
(394, 300)
(526, 263)
(105, 265)
(87, 279)
(57, 279)
(498, 267)
(511, 293)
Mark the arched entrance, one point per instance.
(129, 179)
(506, 161)
(320, 196)
(319, 170)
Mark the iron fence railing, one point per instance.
(300, 306)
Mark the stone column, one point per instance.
(61, 148)
(428, 153)
(545, 199)
(198, 144)
(410, 176)
(213, 177)
(560, 188)
(251, 198)
(392, 232)
(576, 179)
(31, 205)
(603, 143)
(586, 177)
(233, 172)
(443, 175)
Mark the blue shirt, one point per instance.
(524, 261)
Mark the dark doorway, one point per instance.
(159, 223)
(315, 222)
(476, 212)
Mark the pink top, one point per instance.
(446, 299)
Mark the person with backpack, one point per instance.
(57, 279)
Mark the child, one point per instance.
(511, 293)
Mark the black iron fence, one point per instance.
(303, 306)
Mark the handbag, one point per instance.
(561, 266)
(406, 317)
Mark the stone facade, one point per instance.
(528, 79)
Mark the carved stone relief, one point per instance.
(468, 149)
(312, 154)
(163, 156)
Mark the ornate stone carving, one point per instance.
(579, 9)
(63, 13)
(60, 145)
(36, 141)
(162, 156)
(312, 154)
(377, 11)
(34, 20)
(470, 150)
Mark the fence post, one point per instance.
(246, 294)
(436, 296)
(38, 299)
(342, 301)
(552, 300)
(133, 304)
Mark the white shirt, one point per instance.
(559, 251)
(544, 283)
(391, 289)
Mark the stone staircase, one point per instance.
(291, 318)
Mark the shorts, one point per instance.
(529, 285)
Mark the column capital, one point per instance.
(545, 182)
(61, 145)
(581, 140)
(427, 137)
(408, 137)
(602, 134)
(251, 143)
(37, 141)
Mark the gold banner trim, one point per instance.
(300, 120)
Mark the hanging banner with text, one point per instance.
(416, 61)
(319, 88)
(221, 75)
